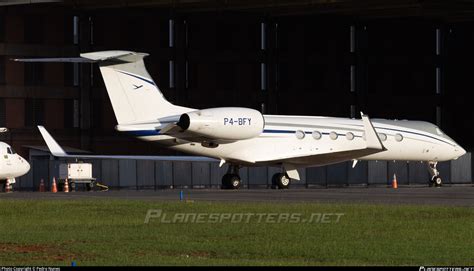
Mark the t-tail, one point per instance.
(134, 95)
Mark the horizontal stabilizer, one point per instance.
(56, 59)
(92, 57)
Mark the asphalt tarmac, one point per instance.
(444, 196)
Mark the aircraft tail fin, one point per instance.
(134, 95)
(53, 146)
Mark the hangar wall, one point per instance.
(140, 174)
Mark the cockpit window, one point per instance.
(439, 131)
(10, 150)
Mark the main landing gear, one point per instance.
(435, 179)
(231, 180)
(281, 181)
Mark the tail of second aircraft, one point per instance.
(134, 95)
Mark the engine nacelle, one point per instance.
(224, 123)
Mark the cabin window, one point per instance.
(382, 136)
(333, 135)
(299, 134)
(316, 135)
(349, 136)
(398, 137)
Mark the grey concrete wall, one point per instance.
(141, 174)
(110, 173)
(164, 174)
(201, 174)
(459, 174)
(316, 176)
(377, 173)
(145, 174)
(359, 174)
(127, 174)
(337, 174)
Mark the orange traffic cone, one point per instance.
(41, 187)
(66, 186)
(54, 188)
(394, 182)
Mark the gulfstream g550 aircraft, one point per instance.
(244, 137)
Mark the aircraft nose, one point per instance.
(26, 166)
(459, 151)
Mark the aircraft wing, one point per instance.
(57, 151)
(372, 142)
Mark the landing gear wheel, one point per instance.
(281, 180)
(90, 186)
(235, 181)
(231, 181)
(436, 181)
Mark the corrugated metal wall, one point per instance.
(140, 174)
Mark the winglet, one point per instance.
(53, 146)
(371, 138)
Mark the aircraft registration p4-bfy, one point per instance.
(245, 137)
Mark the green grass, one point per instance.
(113, 232)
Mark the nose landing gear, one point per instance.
(435, 179)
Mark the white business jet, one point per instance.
(12, 165)
(244, 137)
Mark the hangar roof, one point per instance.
(453, 10)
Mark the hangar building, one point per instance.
(403, 59)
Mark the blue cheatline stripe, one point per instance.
(292, 132)
(143, 132)
(279, 131)
(138, 77)
(325, 133)
(408, 132)
(416, 134)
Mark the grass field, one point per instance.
(113, 232)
